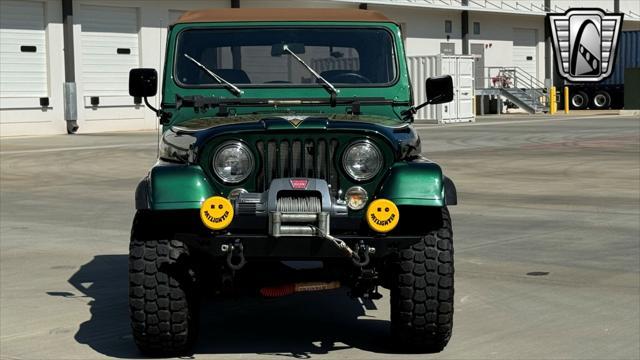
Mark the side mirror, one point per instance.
(439, 89)
(143, 82)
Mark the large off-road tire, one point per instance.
(162, 302)
(422, 291)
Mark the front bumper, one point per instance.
(294, 219)
(300, 248)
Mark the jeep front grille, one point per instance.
(310, 158)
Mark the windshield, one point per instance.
(254, 57)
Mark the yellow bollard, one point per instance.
(553, 106)
(566, 99)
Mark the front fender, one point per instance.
(419, 183)
(172, 187)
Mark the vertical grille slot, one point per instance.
(296, 159)
(321, 165)
(271, 161)
(309, 163)
(284, 158)
(333, 175)
(260, 184)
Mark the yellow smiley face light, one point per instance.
(216, 213)
(382, 215)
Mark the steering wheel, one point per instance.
(350, 78)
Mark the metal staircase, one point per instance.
(520, 87)
(526, 99)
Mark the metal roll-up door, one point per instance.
(524, 51)
(23, 54)
(109, 47)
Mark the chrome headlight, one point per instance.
(362, 160)
(232, 162)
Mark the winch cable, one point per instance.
(340, 244)
(299, 205)
(313, 205)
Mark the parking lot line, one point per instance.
(72, 148)
(514, 122)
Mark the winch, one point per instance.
(300, 207)
(295, 206)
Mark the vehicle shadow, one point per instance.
(297, 326)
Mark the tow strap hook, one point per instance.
(235, 255)
(360, 256)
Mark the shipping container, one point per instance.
(461, 68)
(627, 57)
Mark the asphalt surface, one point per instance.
(546, 236)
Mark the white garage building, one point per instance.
(84, 49)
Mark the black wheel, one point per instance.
(579, 100)
(162, 302)
(422, 291)
(601, 100)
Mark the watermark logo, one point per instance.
(585, 43)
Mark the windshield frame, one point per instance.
(396, 62)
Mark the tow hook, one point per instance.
(360, 256)
(235, 255)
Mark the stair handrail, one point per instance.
(518, 73)
(531, 83)
(532, 79)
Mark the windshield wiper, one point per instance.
(234, 89)
(330, 88)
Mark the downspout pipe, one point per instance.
(548, 49)
(69, 90)
(464, 20)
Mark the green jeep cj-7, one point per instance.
(287, 136)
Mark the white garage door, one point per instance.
(524, 50)
(23, 51)
(109, 49)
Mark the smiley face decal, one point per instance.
(382, 215)
(216, 213)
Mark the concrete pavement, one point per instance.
(546, 236)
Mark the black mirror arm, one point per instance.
(163, 115)
(408, 114)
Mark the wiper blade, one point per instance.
(332, 89)
(234, 89)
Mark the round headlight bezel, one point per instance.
(237, 145)
(347, 168)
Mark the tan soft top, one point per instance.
(273, 14)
